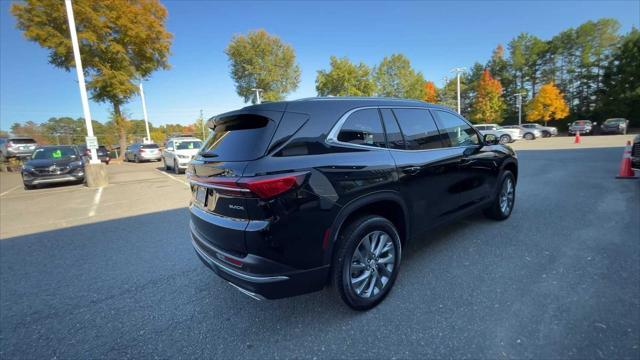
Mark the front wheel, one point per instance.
(166, 167)
(176, 169)
(529, 136)
(502, 205)
(505, 139)
(367, 261)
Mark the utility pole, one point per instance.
(458, 71)
(95, 171)
(202, 124)
(257, 95)
(144, 112)
(518, 97)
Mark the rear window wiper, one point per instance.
(209, 155)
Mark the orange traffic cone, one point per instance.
(577, 140)
(626, 172)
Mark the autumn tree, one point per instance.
(547, 105)
(488, 104)
(430, 92)
(121, 42)
(394, 77)
(262, 61)
(345, 78)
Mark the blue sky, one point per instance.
(436, 36)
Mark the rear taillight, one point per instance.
(270, 187)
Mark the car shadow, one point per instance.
(140, 274)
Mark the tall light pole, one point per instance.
(257, 95)
(202, 124)
(83, 90)
(518, 97)
(95, 171)
(458, 71)
(144, 112)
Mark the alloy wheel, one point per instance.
(507, 194)
(372, 264)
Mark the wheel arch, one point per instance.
(388, 204)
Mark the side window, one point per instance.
(170, 144)
(363, 127)
(394, 135)
(458, 131)
(480, 127)
(419, 129)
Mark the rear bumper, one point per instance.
(150, 156)
(19, 153)
(268, 284)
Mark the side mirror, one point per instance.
(490, 139)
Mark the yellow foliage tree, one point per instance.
(548, 105)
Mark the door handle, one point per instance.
(411, 170)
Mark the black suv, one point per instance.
(289, 196)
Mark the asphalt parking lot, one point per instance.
(117, 277)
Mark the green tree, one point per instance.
(3, 134)
(395, 77)
(620, 96)
(200, 128)
(121, 42)
(30, 129)
(262, 61)
(64, 130)
(345, 79)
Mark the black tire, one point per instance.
(505, 139)
(166, 167)
(529, 136)
(136, 159)
(546, 134)
(176, 169)
(29, 187)
(351, 238)
(495, 210)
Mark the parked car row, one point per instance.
(176, 155)
(609, 126)
(510, 133)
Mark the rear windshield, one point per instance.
(22, 141)
(582, 122)
(149, 146)
(615, 121)
(188, 145)
(54, 153)
(239, 137)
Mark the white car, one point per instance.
(503, 135)
(179, 152)
(528, 133)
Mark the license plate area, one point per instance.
(201, 195)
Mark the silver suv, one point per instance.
(16, 147)
(179, 151)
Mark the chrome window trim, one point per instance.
(220, 187)
(332, 138)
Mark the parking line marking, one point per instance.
(96, 201)
(175, 178)
(10, 190)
